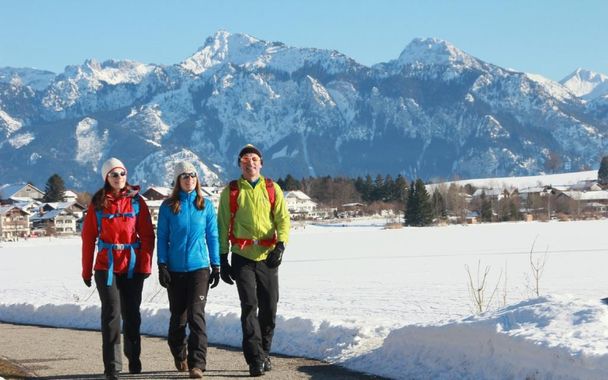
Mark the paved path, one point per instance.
(54, 353)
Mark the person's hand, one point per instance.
(226, 270)
(276, 255)
(164, 277)
(87, 282)
(214, 277)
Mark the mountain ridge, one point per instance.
(435, 111)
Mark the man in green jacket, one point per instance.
(253, 224)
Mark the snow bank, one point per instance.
(542, 338)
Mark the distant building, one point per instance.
(14, 222)
(213, 193)
(57, 221)
(157, 193)
(154, 208)
(69, 196)
(299, 203)
(19, 192)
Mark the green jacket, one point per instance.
(253, 218)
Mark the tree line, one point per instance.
(408, 199)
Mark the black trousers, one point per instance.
(121, 299)
(187, 299)
(258, 288)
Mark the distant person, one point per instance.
(118, 222)
(187, 246)
(254, 225)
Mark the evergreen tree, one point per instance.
(281, 183)
(424, 201)
(401, 189)
(486, 208)
(377, 193)
(54, 190)
(367, 188)
(602, 174)
(438, 203)
(411, 208)
(419, 210)
(291, 183)
(389, 190)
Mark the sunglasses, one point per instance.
(250, 159)
(117, 174)
(187, 175)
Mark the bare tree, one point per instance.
(504, 288)
(537, 266)
(553, 162)
(478, 289)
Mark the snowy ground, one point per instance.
(389, 302)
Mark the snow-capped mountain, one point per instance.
(435, 111)
(586, 84)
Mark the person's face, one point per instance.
(187, 181)
(117, 179)
(251, 164)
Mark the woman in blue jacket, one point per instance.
(187, 246)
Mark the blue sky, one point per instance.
(551, 38)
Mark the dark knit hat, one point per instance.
(249, 149)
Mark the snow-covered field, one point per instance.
(389, 302)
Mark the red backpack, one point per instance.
(234, 194)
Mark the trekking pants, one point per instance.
(258, 288)
(121, 299)
(187, 299)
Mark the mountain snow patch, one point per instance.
(21, 140)
(9, 124)
(90, 142)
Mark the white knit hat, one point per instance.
(183, 167)
(109, 165)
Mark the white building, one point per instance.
(213, 193)
(154, 208)
(299, 203)
(14, 222)
(19, 191)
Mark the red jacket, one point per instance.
(118, 230)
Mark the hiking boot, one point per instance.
(181, 365)
(135, 366)
(267, 364)
(196, 373)
(256, 369)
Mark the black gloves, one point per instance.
(226, 270)
(214, 277)
(87, 282)
(276, 255)
(164, 277)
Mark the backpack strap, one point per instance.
(234, 194)
(110, 247)
(271, 193)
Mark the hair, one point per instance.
(174, 202)
(99, 200)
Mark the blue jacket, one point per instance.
(187, 241)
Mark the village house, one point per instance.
(213, 193)
(157, 193)
(59, 221)
(154, 208)
(14, 223)
(587, 201)
(299, 203)
(12, 193)
(72, 206)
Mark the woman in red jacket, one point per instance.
(119, 223)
